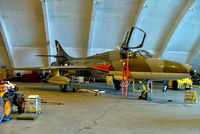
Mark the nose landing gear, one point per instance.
(145, 93)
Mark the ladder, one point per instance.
(190, 97)
(126, 78)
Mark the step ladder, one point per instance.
(190, 97)
(127, 78)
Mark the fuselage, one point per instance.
(141, 67)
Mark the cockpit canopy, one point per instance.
(137, 54)
(142, 54)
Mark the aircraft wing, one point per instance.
(105, 68)
(53, 68)
(62, 80)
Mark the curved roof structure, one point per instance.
(87, 27)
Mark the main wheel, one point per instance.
(117, 84)
(175, 84)
(75, 88)
(187, 88)
(63, 88)
(144, 95)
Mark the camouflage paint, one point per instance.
(141, 68)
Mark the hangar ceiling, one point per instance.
(87, 27)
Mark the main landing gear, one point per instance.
(72, 85)
(117, 84)
(63, 88)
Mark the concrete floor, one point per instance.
(111, 113)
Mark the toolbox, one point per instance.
(33, 104)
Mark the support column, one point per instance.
(7, 41)
(92, 23)
(138, 12)
(47, 29)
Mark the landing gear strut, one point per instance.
(144, 94)
(63, 88)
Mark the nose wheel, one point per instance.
(145, 94)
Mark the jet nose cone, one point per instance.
(192, 71)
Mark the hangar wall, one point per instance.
(156, 21)
(25, 29)
(111, 20)
(186, 38)
(69, 23)
(93, 26)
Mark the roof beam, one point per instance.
(92, 21)
(7, 41)
(194, 52)
(173, 27)
(47, 29)
(138, 12)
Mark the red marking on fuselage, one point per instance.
(105, 68)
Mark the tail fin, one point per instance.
(62, 57)
(61, 52)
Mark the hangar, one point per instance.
(88, 27)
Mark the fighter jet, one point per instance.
(120, 65)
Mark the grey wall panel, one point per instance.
(156, 18)
(186, 35)
(110, 22)
(26, 57)
(24, 22)
(69, 22)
